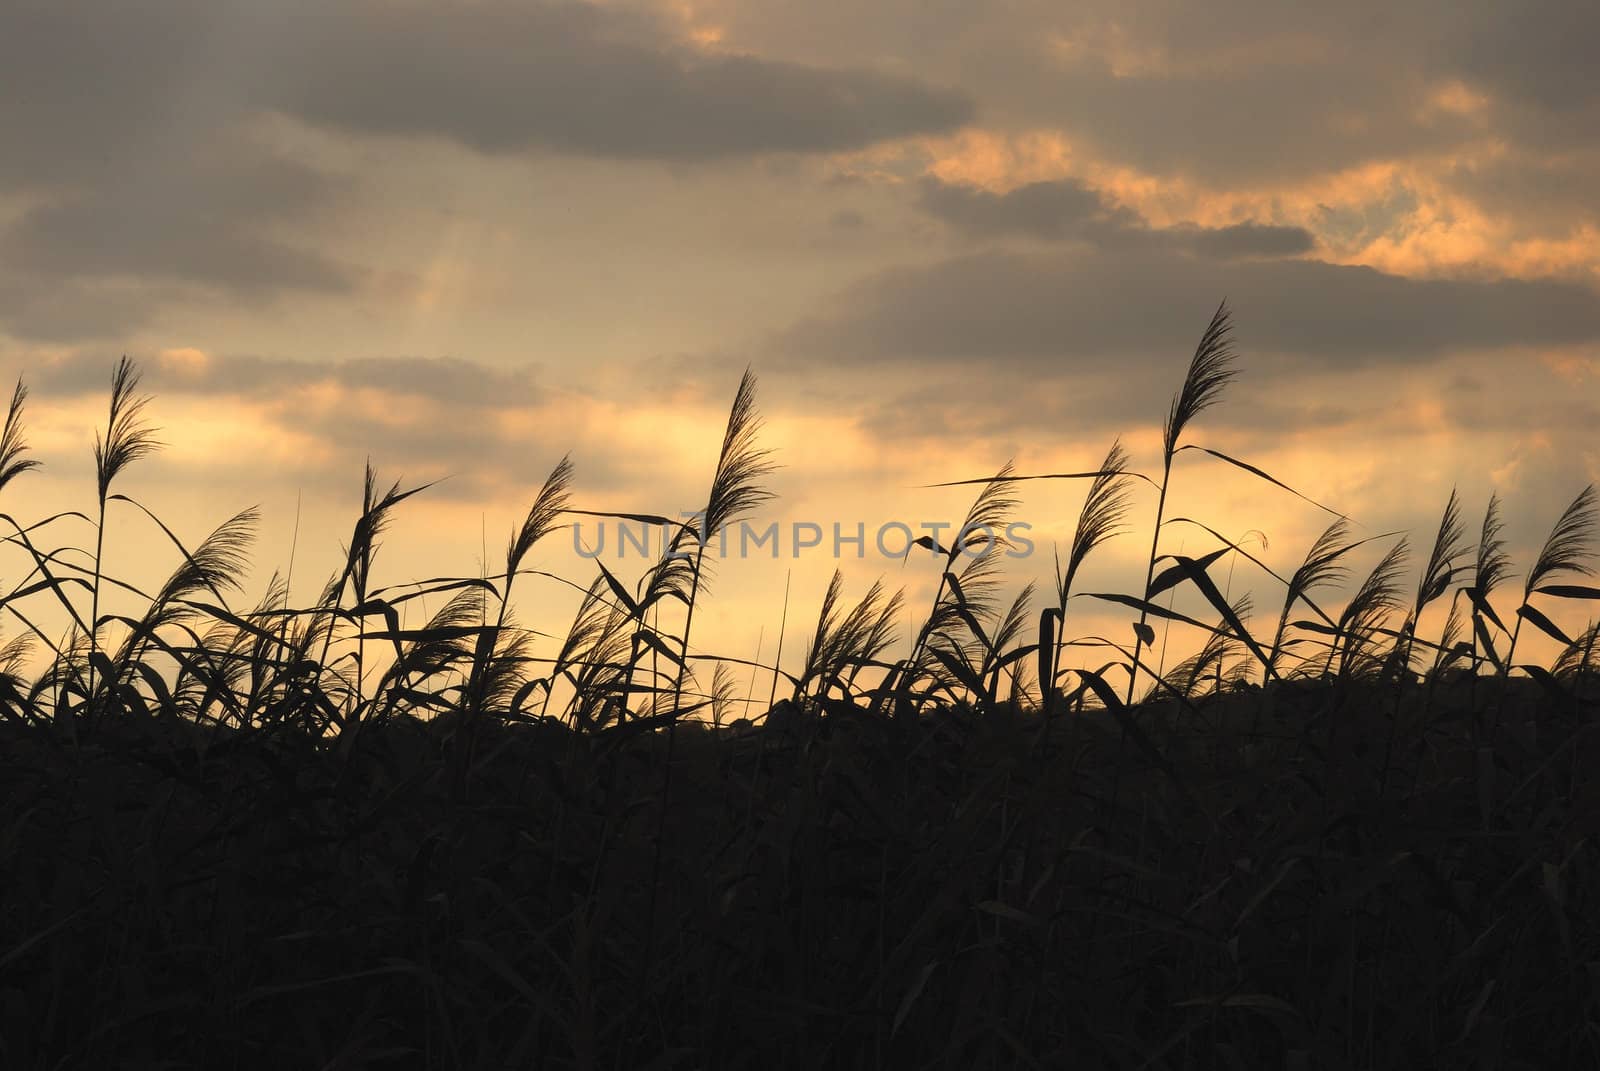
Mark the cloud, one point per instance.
(146, 148)
(1242, 90)
(1540, 54)
(1236, 93)
(1054, 210)
(1039, 309)
(1544, 195)
(198, 230)
(88, 93)
(1317, 120)
(496, 77)
(583, 79)
(139, 177)
(492, 431)
(49, 309)
(446, 380)
(1252, 240)
(1068, 209)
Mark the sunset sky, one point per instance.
(464, 239)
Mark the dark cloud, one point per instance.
(49, 309)
(574, 77)
(1539, 53)
(136, 135)
(579, 78)
(1241, 90)
(1066, 209)
(1238, 91)
(1252, 125)
(87, 92)
(1252, 240)
(127, 136)
(1251, 91)
(1086, 305)
(1012, 410)
(162, 236)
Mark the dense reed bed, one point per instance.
(316, 837)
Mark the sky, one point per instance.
(465, 239)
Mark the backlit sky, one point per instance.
(466, 238)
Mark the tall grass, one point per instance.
(127, 439)
(483, 668)
(315, 835)
(1210, 370)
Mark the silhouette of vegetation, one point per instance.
(314, 836)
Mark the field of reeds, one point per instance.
(317, 837)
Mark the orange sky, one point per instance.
(466, 239)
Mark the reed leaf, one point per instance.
(128, 436)
(1571, 546)
(219, 562)
(1580, 658)
(1188, 676)
(13, 444)
(1569, 549)
(1210, 370)
(1449, 545)
(548, 506)
(1492, 562)
(1102, 517)
(736, 491)
(1359, 624)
